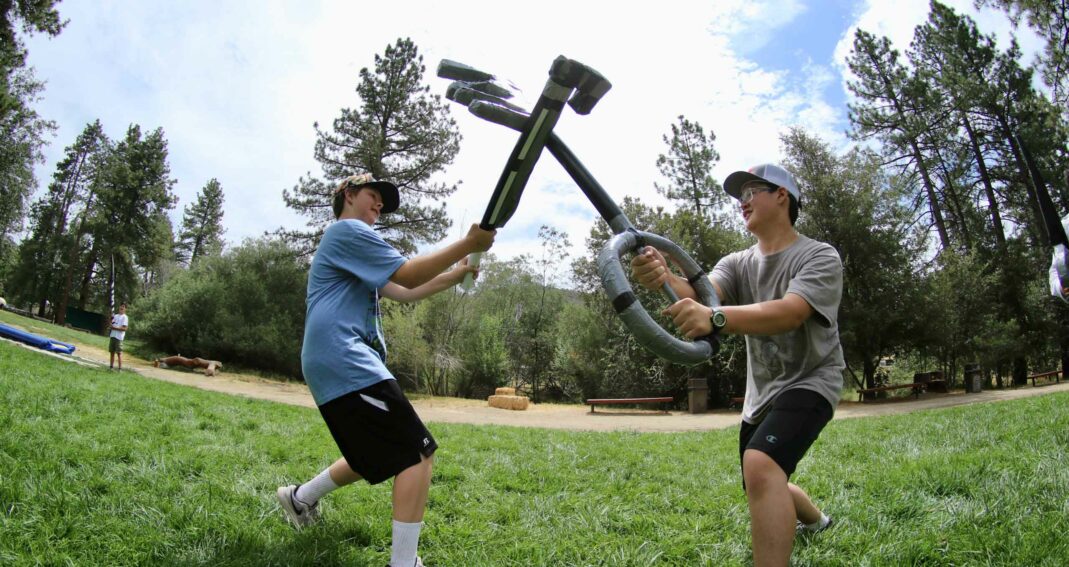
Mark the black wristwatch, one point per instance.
(718, 319)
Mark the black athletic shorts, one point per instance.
(378, 431)
(788, 429)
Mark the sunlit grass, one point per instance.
(99, 468)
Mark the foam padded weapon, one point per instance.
(627, 239)
(634, 315)
(1059, 260)
(569, 81)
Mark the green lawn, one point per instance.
(132, 345)
(64, 334)
(100, 468)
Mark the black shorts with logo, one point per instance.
(788, 429)
(378, 431)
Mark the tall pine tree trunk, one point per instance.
(72, 260)
(933, 199)
(87, 277)
(869, 371)
(1033, 199)
(903, 125)
(989, 188)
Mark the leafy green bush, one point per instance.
(485, 356)
(245, 307)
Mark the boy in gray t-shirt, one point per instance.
(782, 293)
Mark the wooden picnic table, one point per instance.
(918, 387)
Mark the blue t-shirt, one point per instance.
(344, 347)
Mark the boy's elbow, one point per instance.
(796, 312)
(797, 322)
(405, 277)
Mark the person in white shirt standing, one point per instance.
(119, 323)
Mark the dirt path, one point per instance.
(552, 416)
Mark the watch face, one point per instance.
(719, 319)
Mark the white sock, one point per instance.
(311, 491)
(823, 521)
(405, 542)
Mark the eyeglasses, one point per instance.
(748, 193)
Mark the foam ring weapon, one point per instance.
(493, 108)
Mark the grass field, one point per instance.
(100, 468)
(132, 345)
(64, 334)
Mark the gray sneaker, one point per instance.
(298, 513)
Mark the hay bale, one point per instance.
(509, 402)
(505, 392)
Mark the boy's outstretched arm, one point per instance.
(422, 269)
(767, 318)
(440, 282)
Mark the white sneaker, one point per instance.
(298, 513)
(802, 529)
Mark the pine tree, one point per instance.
(400, 133)
(22, 135)
(31, 16)
(957, 62)
(22, 130)
(134, 193)
(855, 206)
(52, 245)
(893, 107)
(688, 168)
(704, 207)
(89, 161)
(1050, 19)
(202, 224)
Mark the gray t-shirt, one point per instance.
(809, 357)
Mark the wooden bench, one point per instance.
(613, 401)
(917, 387)
(1055, 373)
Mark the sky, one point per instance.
(238, 85)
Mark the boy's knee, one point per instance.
(760, 472)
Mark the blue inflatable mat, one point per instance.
(35, 340)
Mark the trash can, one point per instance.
(973, 379)
(698, 401)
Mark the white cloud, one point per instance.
(752, 25)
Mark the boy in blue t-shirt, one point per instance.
(344, 358)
